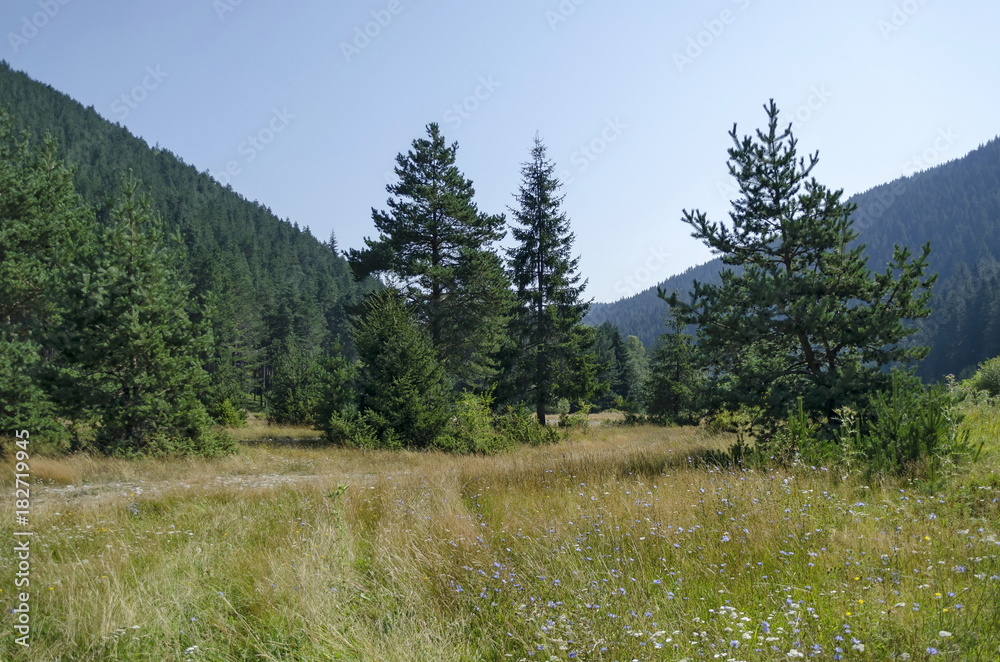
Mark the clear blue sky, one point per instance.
(633, 99)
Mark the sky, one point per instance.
(303, 105)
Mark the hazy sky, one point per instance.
(304, 104)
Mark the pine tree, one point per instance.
(44, 227)
(800, 315)
(129, 346)
(552, 354)
(436, 245)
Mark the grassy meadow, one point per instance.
(620, 543)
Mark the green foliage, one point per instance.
(624, 367)
(987, 377)
(799, 314)
(909, 423)
(550, 355)
(337, 387)
(253, 275)
(228, 415)
(403, 392)
(671, 391)
(908, 429)
(436, 243)
(353, 430)
(472, 428)
(44, 228)
(128, 349)
(520, 426)
(297, 386)
(577, 420)
(954, 207)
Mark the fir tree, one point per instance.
(436, 245)
(551, 354)
(673, 382)
(297, 386)
(44, 228)
(403, 392)
(800, 314)
(129, 345)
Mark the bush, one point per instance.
(577, 420)
(987, 377)
(365, 431)
(227, 415)
(472, 429)
(520, 427)
(908, 424)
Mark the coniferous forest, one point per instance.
(146, 307)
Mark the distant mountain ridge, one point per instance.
(955, 206)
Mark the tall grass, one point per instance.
(617, 544)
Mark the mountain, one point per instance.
(264, 279)
(955, 206)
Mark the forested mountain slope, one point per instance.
(266, 280)
(954, 206)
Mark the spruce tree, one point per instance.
(129, 346)
(44, 227)
(799, 314)
(437, 247)
(403, 392)
(552, 356)
(297, 386)
(674, 382)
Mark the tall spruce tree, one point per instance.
(129, 346)
(801, 314)
(552, 348)
(437, 246)
(44, 227)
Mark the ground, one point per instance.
(618, 543)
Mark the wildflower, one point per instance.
(931, 650)
(944, 634)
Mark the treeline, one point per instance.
(954, 207)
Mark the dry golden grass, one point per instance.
(617, 538)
